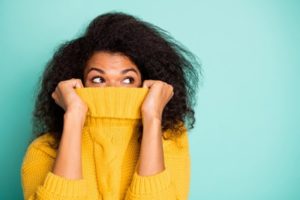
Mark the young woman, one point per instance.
(111, 116)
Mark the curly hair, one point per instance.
(157, 55)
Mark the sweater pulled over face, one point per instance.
(110, 153)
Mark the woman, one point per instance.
(109, 119)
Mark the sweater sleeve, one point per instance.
(172, 183)
(39, 183)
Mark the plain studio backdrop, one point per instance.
(245, 144)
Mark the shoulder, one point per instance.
(176, 145)
(42, 146)
(39, 158)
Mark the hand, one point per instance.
(66, 97)
(158, 96)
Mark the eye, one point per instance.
(96, 79)
(129, 78)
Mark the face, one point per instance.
(105, 69)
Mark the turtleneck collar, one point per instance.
(110, 108)
(113, 102)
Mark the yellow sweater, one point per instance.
(110, 151)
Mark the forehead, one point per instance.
(107, 60)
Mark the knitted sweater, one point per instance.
(110, 152)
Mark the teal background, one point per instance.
(246, 141)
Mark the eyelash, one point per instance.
(128, 77)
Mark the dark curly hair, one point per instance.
(157, 55)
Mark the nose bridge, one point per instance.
(113, 82)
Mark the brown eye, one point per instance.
(97, 79)
(131, 80)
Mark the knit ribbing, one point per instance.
(113, 102)
(59, 185)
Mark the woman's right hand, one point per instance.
(66, 97)
(68, 160)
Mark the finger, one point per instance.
(55, 98)
(57, 91)
(172, 90)
(172, 95)
(148, 83)
(74, 83)
(78, 84)
(53, 95)
(169, 91)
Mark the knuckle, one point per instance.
(77, 80)
(60, 84)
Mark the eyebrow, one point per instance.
(103, 72)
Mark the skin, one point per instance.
(104, 69)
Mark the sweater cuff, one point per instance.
(64, 187)
(153, 184)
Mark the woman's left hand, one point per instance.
(158, 96)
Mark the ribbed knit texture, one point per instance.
(110, 152)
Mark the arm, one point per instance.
(39, 183)
(156, 176)
(171, 183)
(60, 177)
(151, 153)
(68, 161)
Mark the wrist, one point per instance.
(151, 120)
(152, 125)
(75, 116)
(77, 109)
(151, 116)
